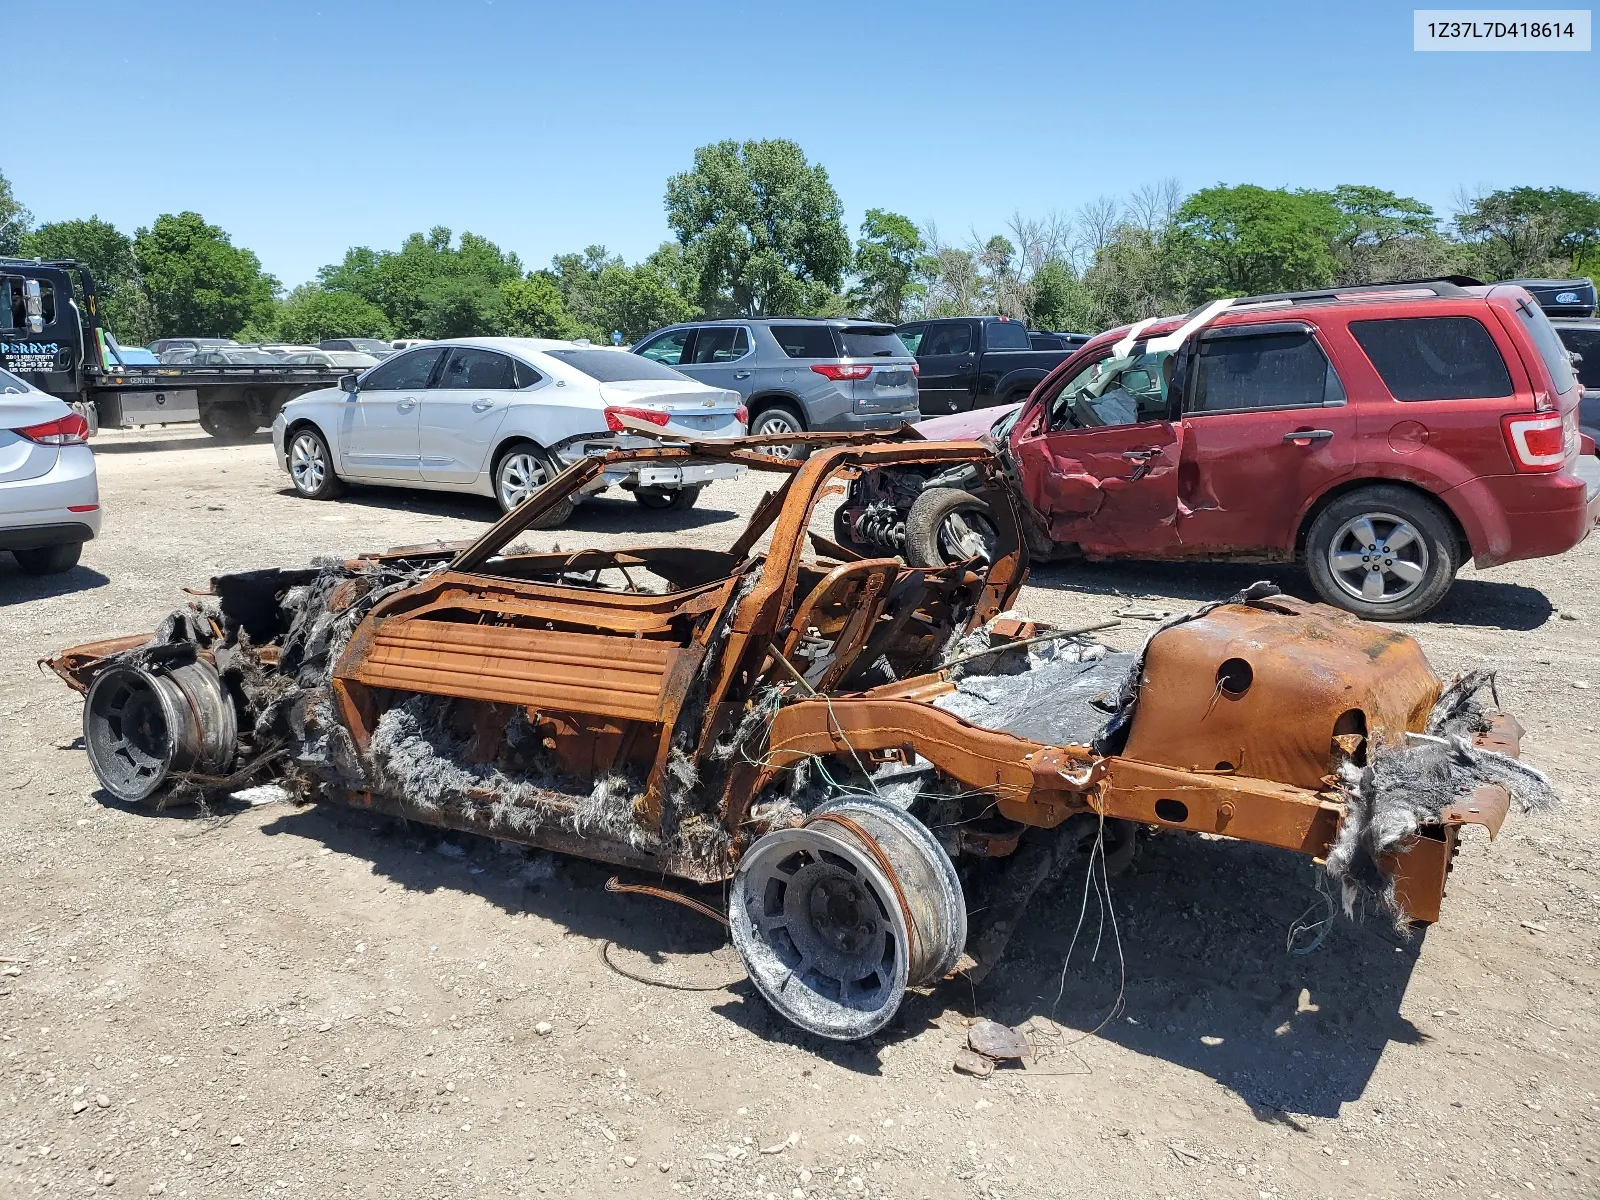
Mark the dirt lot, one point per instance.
(281, 1001)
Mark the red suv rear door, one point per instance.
(1266, 427)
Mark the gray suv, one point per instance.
(798, 373)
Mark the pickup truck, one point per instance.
(976, 362)
(51, 335)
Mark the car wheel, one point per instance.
(228, 422)
(522, 471)
(1383, 552)
(948, 525)
(49, 560)
(660, 498)
(781, 419)
(311, 465)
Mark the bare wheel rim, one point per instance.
(308, 462)
(1378, 558)
(521, 475)
(967, 533)
(820, 932)
(777, 422)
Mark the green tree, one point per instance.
(1523, 231)
(762, 229)
(1249, 240)
(311, 313)
(535, 308)
(1057, 300)
(108, 253)
(1136, 273)
(888, 256)
(431, 287)
(197, 281)
(1386, 236)
(14, 219)
(602, 294)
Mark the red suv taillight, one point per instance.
(1537, 443)
(70, 430)
(844, 370)
(653, 416)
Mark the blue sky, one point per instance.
(305, 126)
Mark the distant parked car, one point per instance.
(132, 356)
(235, 356)
(977, 362)
(797, 374)
(376, 347)
(407, 343)
(330, 358)
(161, 346)
(501, 417)
(49, 496)
(1380, 434)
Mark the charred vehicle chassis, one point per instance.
(865, 749)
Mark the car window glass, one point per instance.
(668, 348)
(1585, 342)
(480, 370)
(1007, 335)
(948, 339)
(615, 366)
(10, 384)
(1271, 370)
(721, 343)
(526, 375)
(911, 335)
(1434, 358)
(1545, 340)
(871, 343)
(806, 341)
(1125, 390)
(403, 371)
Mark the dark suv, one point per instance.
(798, 374)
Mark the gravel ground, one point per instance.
(279, 1001)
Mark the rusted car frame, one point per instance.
(789, 715)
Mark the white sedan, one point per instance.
(499, 417)
(49, 496)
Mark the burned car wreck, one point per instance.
(865, 750)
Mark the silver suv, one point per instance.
(798, 374)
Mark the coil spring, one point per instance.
(880, 524)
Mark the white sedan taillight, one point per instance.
(70, 430)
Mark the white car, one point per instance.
(500, 417)
(49, 495)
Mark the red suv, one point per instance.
(1380, 434)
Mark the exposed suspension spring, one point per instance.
(880, 524)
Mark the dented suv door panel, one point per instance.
(1266, 430)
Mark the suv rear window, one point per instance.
(1435, 358)
(806, 341)
(872, 343)
(1007, 335)
(614, 366)
(1283, 369)
(1549, 345)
